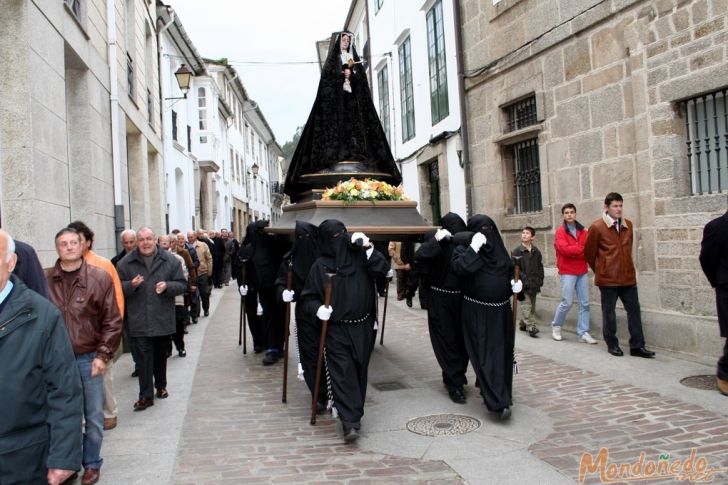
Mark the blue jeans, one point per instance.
(93, 411)
(570, 283)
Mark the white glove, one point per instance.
(362, 236)
(324, 312)
(516, 286)
(370, 251)
(259, 311)
(477, 242)
(442, 234)
(390, 273)
(243, 290)
(288, 295)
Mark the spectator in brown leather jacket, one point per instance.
(85, 296)
(608, 250)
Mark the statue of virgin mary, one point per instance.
(343, 136)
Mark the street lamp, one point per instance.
(254, 170)
(184, 78)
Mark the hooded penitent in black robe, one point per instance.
(261, 254)
(342, 126)
(351, 331)
(218, 261)
(433, 262)
(486, 311)
(301, 257)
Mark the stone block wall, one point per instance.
(608, 78)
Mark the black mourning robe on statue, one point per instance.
(351, 331)
(342, 126)
(433, 263)
(302, 255)
(486, 312)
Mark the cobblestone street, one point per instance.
(224, 421)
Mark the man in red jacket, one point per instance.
(569, 243)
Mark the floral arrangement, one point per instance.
(368, 189)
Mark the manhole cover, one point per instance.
(443, 425)
(389, 386)
(706, 382)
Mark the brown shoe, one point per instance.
(110, 423)
(162, 394)
(143, 404)
(90, 476)
(722, 386)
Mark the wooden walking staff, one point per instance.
(514, 304)
(242, 331)
(286, 338)
(322, 343)
(384, 312)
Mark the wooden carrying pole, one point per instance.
(322, 343)
(242, 331)
(384, 312)
(287, 335)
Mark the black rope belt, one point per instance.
(487, 303)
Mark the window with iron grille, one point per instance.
(526, 176)
(75, 6)
(706, 126)
(383, 85)
(406, 93)
(521, 114)
(438, 70)
(174, 125)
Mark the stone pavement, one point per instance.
(224, 421)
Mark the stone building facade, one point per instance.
(567, 101)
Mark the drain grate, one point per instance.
(443, 425)
(705, 382)
(389, 386)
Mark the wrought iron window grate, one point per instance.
(521, 114)
(527, 176)
(706, 126)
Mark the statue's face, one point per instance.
(345, 41)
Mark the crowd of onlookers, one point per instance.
(62, 328)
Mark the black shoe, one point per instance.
(457, 395)
(186, 332)
(257, 349)
(271, 357)
(533, 332)
(522, 327)
(182, 353)
(504, 414)
(409, 302)
(351, 435)
(642, 352)
(207, 314)
(321, 407)
(194, 320)
(135, 373)
(616, 351)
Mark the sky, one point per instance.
(271, 31)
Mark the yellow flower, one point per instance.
(354, 192)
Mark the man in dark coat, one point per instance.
(714, 261)
(352, 315)
(40, 422)
(486, 270)
(128, 243)
(529, 258)
(300, 259)
(263, 253)
(29, 270)
(433, 263)
(151, 278)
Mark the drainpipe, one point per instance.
(115, 135)
(464, 138)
